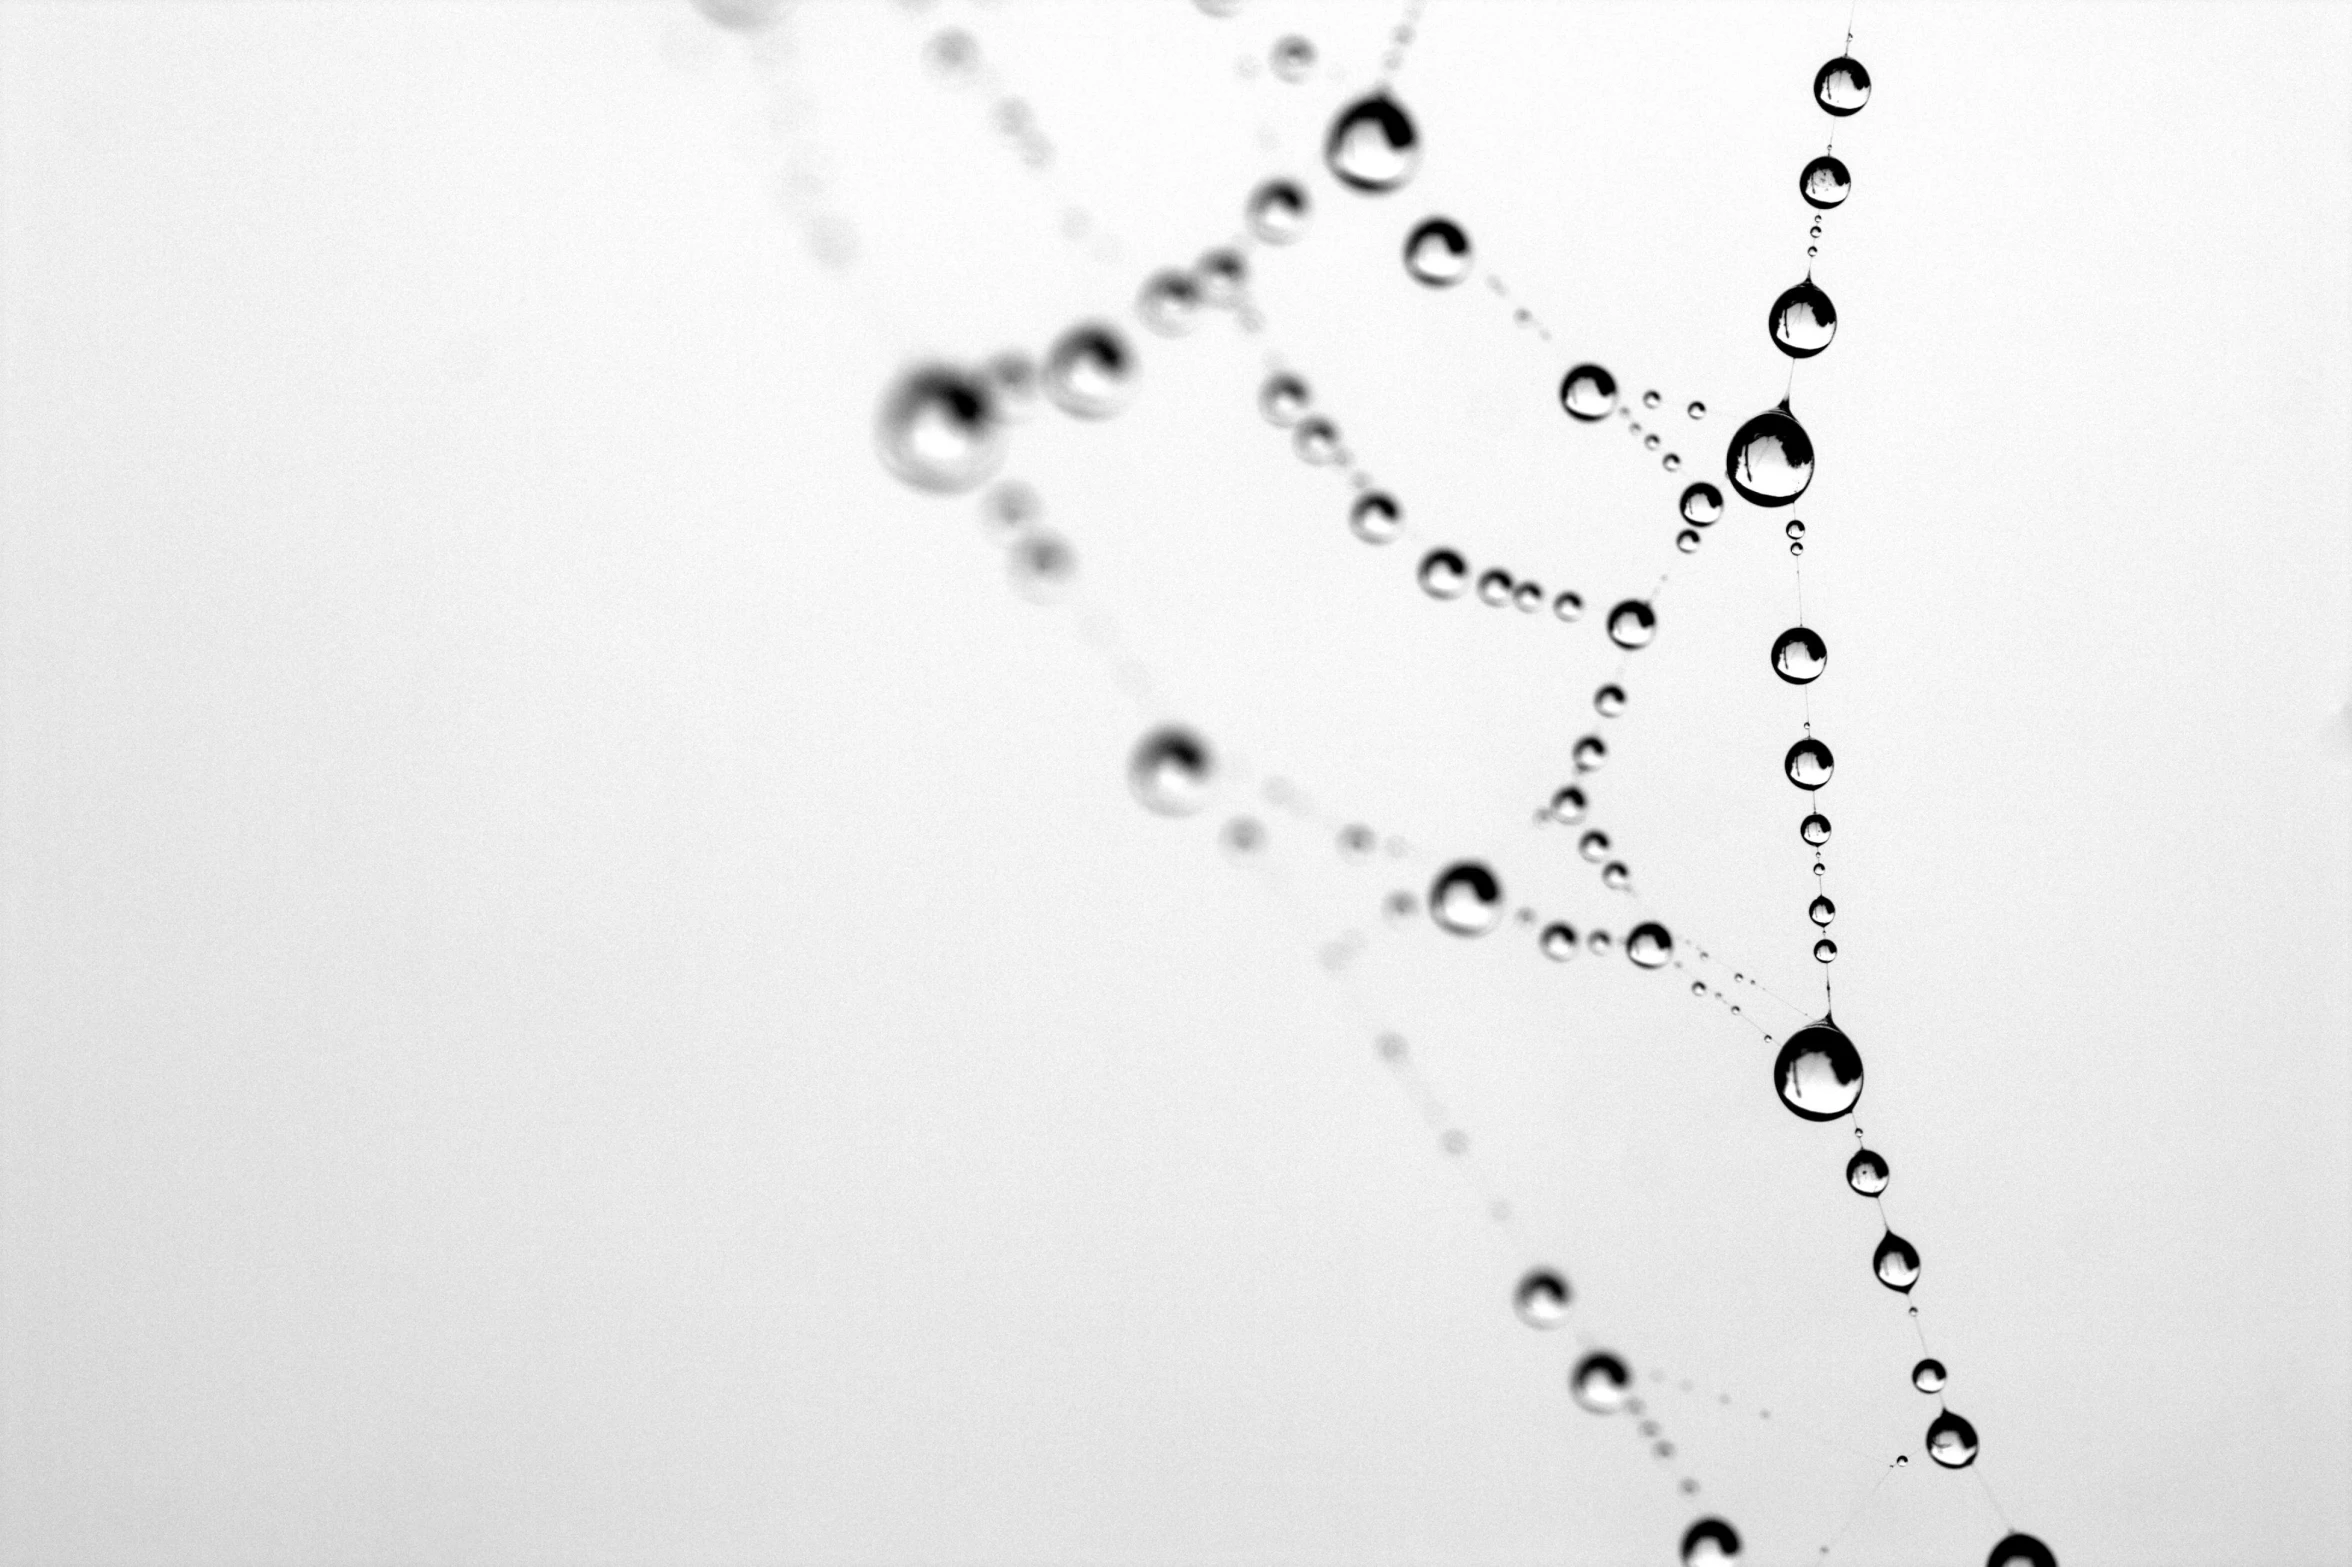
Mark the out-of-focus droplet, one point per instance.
(1802, 321)
(1821, 911)
(1494, 587)
(1355, 840)
(1376, 518)
(1222, 276)
(1951, 1441)
(1372, 146)
(1558, 942)
(1594, 846)
(1317, 441)
(1650, 442)
(1770, 458)
(1600, 1382)
(1169, 303)
(1650, 399)
(743, 16)
(1609, 700)
(952, 52)
(1541, 1299)
(1842, 86)
(1244, 835)
(1466, 899)
(1528, 597)
(1011, 380)
(1598, 942)
(1589, 753)
(1809, 764)
(1567, 807)
(1170, 771)
(938, 429)
(1278, 210)
(1896, 1262)
(1589, 393)
(1825, 951)
(1011, 506)
(1444, 574)
(1293, 58)
(1710, 1541)
(1649, 945)
(1814, 829)
(1615, 875)
(1701, 504)
(1928, 1376)
(1569, 606)
(1671, 462)
(1824, 183)
(1818, 1072)
(1687, 541)
(1437, 253)
(1632, 624)
(1090, 371)
(1867, 1173)
(2021, 1550)
(1042, 564)
(1283, 399)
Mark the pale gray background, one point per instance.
(579, 982)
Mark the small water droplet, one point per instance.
(1444, 574)
(1278, 210)
(1589, 393)
(1437, 253)
(1687, 541)
(1809, 764)
(1615, 875)
(1355, 841)
(1710, 1541)
(1650, 399)
(1825, 951)
(1011, 506)
(1567, 807)
(1494, 587)
(1170, 771)
(1317, 441)
(1455, 1142)
(1609, 700)
(1867, 1173)
(1541, 1299)
(1824, 183)
(1594, 846)
(1528, 597)
(1466, 899)
(1589, 753)
(1902, 1460)
(1090, 371)
(1842, 86)
(1169, 303)
(1662, 1449)
(1821, 911)
(1701, 504)
(1896, 1262)
(938, 429)
(1372, 146)
(1599, 1383)
(1283, 399)
(1293, 57)
(1814, 829)
(1650, 443)
(1632, 624)
(1928, 1376)
(1569, 606)
(1649, 945)
(1671, 462)
(1244, 834)
(1802, 322)
(1041, 564)
(1818, 1072)
(1558, 942)
(1598, 942)
(1951, 1441)
(1770, 458)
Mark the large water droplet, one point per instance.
(1376, 518)
(1588, 392)
(1090, 371)
(1169, 303)
(1649, 945)
(1701, 504)
(1896, 1262)
(1951, 1441)
(1632, 624)
(1709, 1541)
(1444, 574)
(1928, 1376)
(1809, 764)
(1558, 942)
(1770, 459)
(1541, 1299)
(1814, 829)
(1824, 183)
(1278, 210)
(2021, 1550)
(1842, 86)
(1373, 146)
(938, 429)
(1466, 899)
(1799, 655)
(1818, 1072)
(1802, 321)
(1438, 253)
(1867, 1173)
(1170, 771)
(1821, 911)
(1599, 1382)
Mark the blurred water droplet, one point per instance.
(1355, 841)
(1867, 1173)
(1588, 392)
(1609, 700)
(1528, 597)
(1170, 771)
(1649, 945)
(1928, 1376)
(743, 16)
(1589, 754)
(1376, 518)
(1818, 1072)
(1444, 574)
(938, 430)
(1697, 410)
(1090, 371)
(1466, 899)
(1283, 399)
(952, 52)
(1842, 86)
(1594, 846)
(1770, 458)
(1802, 321)
(1169, 303)
(1799, 655)
(1615, 875)
(1277, 211)
(1599, 1383)
(1011, 506)
(1567, 807)
(1317, 441)
(1455, 1142)
(1558, 942)
(1569, 606)
(1372, 146)
(1896, 1262)
(1243, 835)
(1293, 58)
(1494, 587)
(1392, 1047)
(1541, 1299)
(1809, 764)
(1710, 1541)
(1632, 624)
(1951, 1441)
(1671, 462)
(1599, 941)
(1437, 253)
(1701, 504)
(1042, 564)
(1222, 275)
(1824, 183)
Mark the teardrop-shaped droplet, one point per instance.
(1283, 399)
(1444, 574)
(1466, 899)
(1169, 303)
(1809, 764)
(1170, 771)
(938, 429)
(1710, 1542)
(1569, 606)
(1867, 1173)
(1818, 1072)
(1814, 829)
(1558, 942)
(1090, 371)
(1701, 504)
(1600, 1382)
(1376, 518)
(1896, 1262)
(1293, 57)
(1842, 86)
(2021, 1550)
(1567, 807)
(1649, 945)
(1799, 655)
(1770, 459)
(1928, 1376)
(1824, 183)
(1589, 393)
(1825, 951)
(1609, 700)
(1951, 1441)
(1437, 253)
(1803, 321)
(1632, 624)
(1589, 753)
(1594, 846)
(1821, 911)
(1494, 587)
(1278, 210)
(1541, 1299)
(1373, 146)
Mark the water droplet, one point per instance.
(1042, 564)
(1355, 841)
(1698, 987)
(1317, 441)
(1567, 806)
(1649, 945)
(1598, 942)
(1867, 1173)
(1809, 764)
(1090, 371)
(1243, 835)
(1589, 753)
(1796, 549)
(1541, 1299)
(1277, 211)
(1951, 1441)
(1455, 1142)
(1599, 1383)
(1697, 410)
(2021, 1550)
(1444, 574)
(1649, 443)
(1701, 504)
(1438, 253)
(1818, 1072)
(1814, 829)
(1821, 911)
(1902, 1460)
(1632, 624)
(1770, 459)
(1569, 606)
(1589, 393)
(1293, 57)
(1824, 183)
(1011, 379)
(952, 52)
(1609, 701)
(1391, 1046)
(1011, 506)
(1222, 275)
(1375, 518)
(1687, 541)
(1373, 146)
(1671, 462)
(1650, 399)
(1928, 1376)
(938, 429)
(747, 16)
(1802, 321)
(1283, 399)
(1466, 899)
(1594, 846)
(1842, 86)
(1402, 906)
(1558, 942)
(1494, 587)
(1825, 951)
(1710, 1540)
(1662, 1449)
(1795, 529)
(1169, 303)
(1170, 771)
(1528, 597)
(1615, 875)
(1896, 1262)
(1648, 1427)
